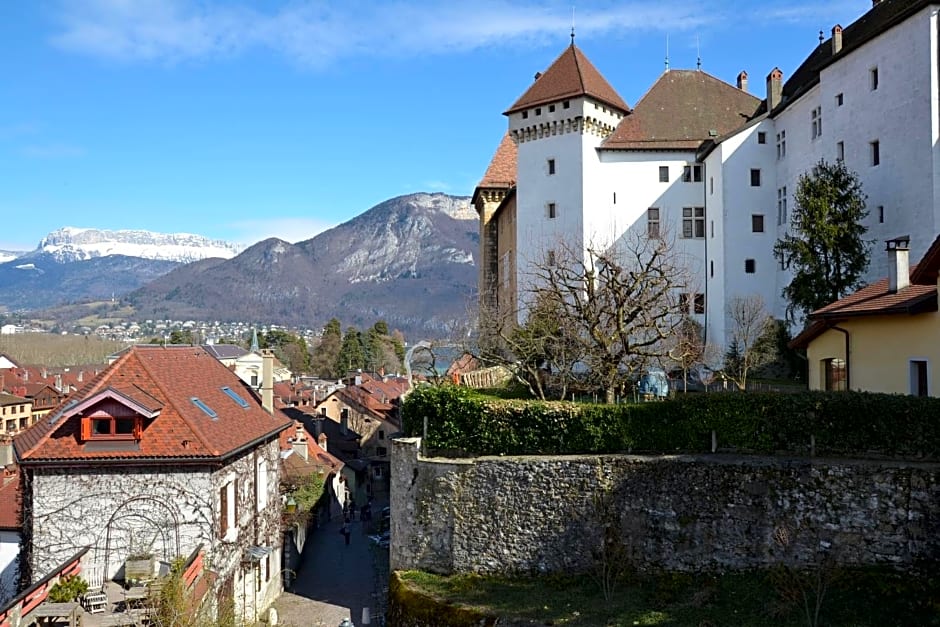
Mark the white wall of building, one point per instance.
(9, 557)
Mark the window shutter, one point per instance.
(235, 504)
(138, 428)
(86, 429)
(223, 511)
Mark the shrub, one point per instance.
(842, 423)
(67, 589)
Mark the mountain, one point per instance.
(10, 255)
(77, 244)
(79, 264)
(409, 260)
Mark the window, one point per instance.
(750, 266)
(875, 152)
(551, 166)
(227, 496)
(757, 223)
(781, 144)
(235, 397)
(781, 205)
(381, 451)
(615, 198)
(551, 211)
(538, 111)
(699, 304)
(652, 222)
(664, 174)
(761, 137)
(840, 151)
(525, 115)
(817, 122)
(551, 108)
(711, 184)
(919, 377)
(755, 177)
(381, 434)
(205, 408)
(881, 214)
(834, 375)
(110, 428)
(693, 222)
(550, 258)
(566, 104)
(692, 173)
(711, 268)
(873, 78)
(839, 100)
(254, 380)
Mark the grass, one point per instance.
(858, 598)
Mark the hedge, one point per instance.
(461, 421)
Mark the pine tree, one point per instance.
(826, 247)
(352, 354)
(326, 354)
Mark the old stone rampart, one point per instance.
(678, 513)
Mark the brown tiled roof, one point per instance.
(926, 271)
(12, 399)
(879, 19)
(168, 377)
(10, 501)
(571, 75)
(502, 169)
(875, 299)
(681, 110)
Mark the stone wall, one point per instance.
(544, 514)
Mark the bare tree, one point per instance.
(620, 302)
(541, 353)
(751, 344)
(689, 349)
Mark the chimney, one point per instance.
(344, 423)
(44, 373)
(81, 375)
(774, 89)
(742, 81)
(322, 442)
(58, 382)
(836, 39)
(300, 440)
(267, 380)
(25, 375)
(899, 275)
(538, 75)
(6, 450)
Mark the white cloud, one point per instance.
(316, 34)
(288, 229)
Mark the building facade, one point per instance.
(715, 168)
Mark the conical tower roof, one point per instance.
(572, 75)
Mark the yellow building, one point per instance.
(884, 337)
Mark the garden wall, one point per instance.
(545, 514)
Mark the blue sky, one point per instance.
(242, 119)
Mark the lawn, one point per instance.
(858, 598)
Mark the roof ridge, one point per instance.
(194, 428)
(577, 66)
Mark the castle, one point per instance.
(715, 166)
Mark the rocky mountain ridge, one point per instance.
(77, 244)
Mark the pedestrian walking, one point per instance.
(346, 533)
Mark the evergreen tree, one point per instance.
(326, 354)
(825, 246)
(352, 354)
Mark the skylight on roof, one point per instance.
(235, 397)
(208, 410)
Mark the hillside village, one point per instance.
(203, 481)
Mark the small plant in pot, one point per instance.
(68, 589)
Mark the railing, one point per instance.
(17, 610)
(194, 567)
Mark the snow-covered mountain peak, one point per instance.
(75, 243)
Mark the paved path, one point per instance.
(334, 582)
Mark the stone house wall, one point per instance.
(681, 513)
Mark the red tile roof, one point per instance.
(571, 75)
(10, 501)
(295, 465)
(926, 271)
(502, 169)
(163, 379)
(681, 110)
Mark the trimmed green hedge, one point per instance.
(843, 424)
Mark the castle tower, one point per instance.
(490, 196)
(557, 125)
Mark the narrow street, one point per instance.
(336, 581)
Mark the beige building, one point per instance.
(884, 337)
(16, 413)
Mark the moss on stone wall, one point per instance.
(410, 608)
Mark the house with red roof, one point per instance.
(165, 451)
(10, 522)
(883, 338)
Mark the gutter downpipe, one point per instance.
(848, 372)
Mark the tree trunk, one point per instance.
(610, 395)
